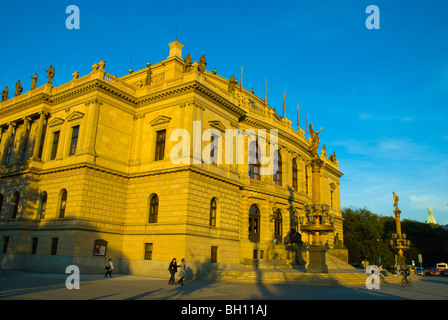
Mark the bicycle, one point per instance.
(406, 282)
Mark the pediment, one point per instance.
(217, 125)
(55, 122)
(160, 119)
(75, 115)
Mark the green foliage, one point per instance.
(367, 235)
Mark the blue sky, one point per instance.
(381, 95)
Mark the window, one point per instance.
(11, 147)
(33, 245)
(54, 147)
(213, 208)
(15, 204)
(214, 149)
(148, 251)
(254, 224)
(278, 226)
(1, 203)
(5, 244)
(295, 184)
(214, 254)
(62, 203)
(160, 145)
(100, 247)
(54, 246)
(25, 144)
(254, 161)
(42, 139)
(277, 168)
(43, 205)
(74, 140)
(153, 208)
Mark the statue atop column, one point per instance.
(50, 74)
(396, 199)
(5, 94)
(19, 89)
(315, 140)
(34, 81)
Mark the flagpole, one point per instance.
(241, 81)
(284, 111)
(265, 93)
(298, 116)
(307, 123)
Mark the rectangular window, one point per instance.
(160, 145)
(214, 254)
(148, 251)
(10, 148)
(5, 244)
(214, 149)
(25, 144)
(42, 140)
(74, 141)
(33, 245)
(54, 246)
(54, 148)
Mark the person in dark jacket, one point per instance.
(173, 269)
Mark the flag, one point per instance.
(284, 111)
(241, 81)
(307, 122)
(297, 116)
(265, 93)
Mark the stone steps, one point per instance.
(291, 276)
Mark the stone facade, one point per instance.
(87, 174)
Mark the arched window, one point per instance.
(15, 204)
(43, 205)
(213, 209)
(254, 160)
(254, 224)
(153, 208)
(295, 184)
(1, 202)
(62, 203)
(278, 226)
(277, 168)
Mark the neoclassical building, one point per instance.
(143, 168)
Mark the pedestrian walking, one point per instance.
(109, 268)
(182, 272)
(173, 269)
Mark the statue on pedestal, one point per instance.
(19, 89)
(5, 94)
(148, 74)
(50, 74)
(188, 62)
(202, 64)
(315, 140)
(34, 81)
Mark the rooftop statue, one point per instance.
(148, 74)
(5, 94)
(188, 62)
(34, 81)
(202, 64)
(50, 74)
(19, 89)
(232, 83)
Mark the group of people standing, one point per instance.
(173, 269)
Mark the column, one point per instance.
(39, 136)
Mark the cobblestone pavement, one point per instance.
(40, 286)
